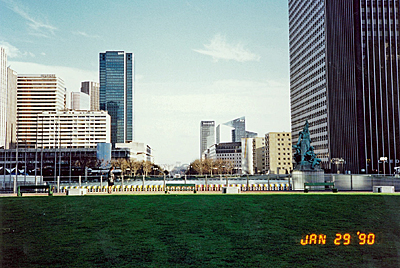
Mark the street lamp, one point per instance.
(338, 161)
(383, 159)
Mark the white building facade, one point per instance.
(80, 101)
(139, 151)
(75, 129)
(92, 89)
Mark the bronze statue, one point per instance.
(304, 156)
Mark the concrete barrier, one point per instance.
(82, 191)
(231, 190)
(383, 189)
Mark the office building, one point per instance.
(344, 79)
(92, 89)
(259, 155)
(3, 96)
(278, 152)
(238, 130)
(207, 135)
(36, 94)
(117, 93)
(247, 156)
(226, 151)
(11, 119)
(80, 101)
(73, 129)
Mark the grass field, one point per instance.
(198, 230)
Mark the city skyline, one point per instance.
(194, 61)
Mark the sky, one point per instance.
(194, 60)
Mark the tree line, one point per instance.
(129, 167)
(135, 168)
(212, 167)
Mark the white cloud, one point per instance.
(13, 52)
(85, 34)
(38, 27)
(220, 49)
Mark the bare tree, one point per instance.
(146, 165)
(133, 166)
(229, 165)
(220, 165)
(198, 165)
(210, 165)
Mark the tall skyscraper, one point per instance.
(36, 94)
(344, 79)
(207, 135)
(92, 89)
(3, 96)
(117, 93)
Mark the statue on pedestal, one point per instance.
(304, 156)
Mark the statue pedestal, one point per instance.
(299, 177)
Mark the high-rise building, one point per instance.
(36, 94)
(11, 120)
(3, 96)
(207, 135)
(344, 79)
(92, 89)
(238, 131)
(117, 93)
(80, 101)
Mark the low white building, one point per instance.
(76, 129)
(139, 151)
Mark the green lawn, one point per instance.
(198, 230)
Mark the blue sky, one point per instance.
(194, 60)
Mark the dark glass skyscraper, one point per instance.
(117, 93)
(344, 79)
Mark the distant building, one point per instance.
(227, 151)
(92, 89)
(259, 155)
(73, 129)
(3, 96)
(278, 152)
(238, 131)
(117, 93)
(247, 156)
(11, 120)
(207, 135)
(137, 151)
(80, 101)
(36, 94)
(253, 156)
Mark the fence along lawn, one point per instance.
(198, 230)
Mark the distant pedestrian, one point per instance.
(111, 178)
